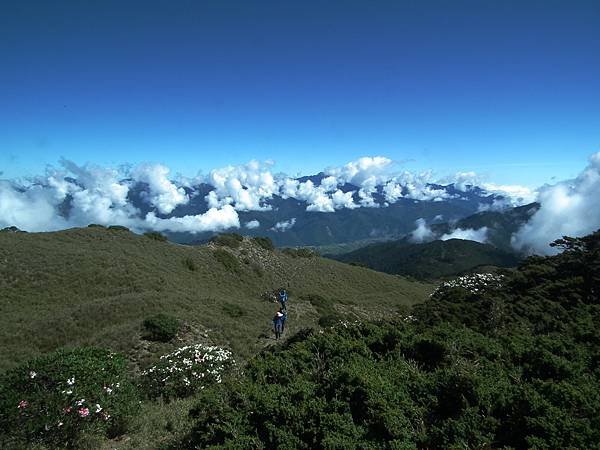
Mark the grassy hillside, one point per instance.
(430, 260)
(97, 285)
(487, 362)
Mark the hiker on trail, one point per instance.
(283, 319)
(278, 322)
(282, 297)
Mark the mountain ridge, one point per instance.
(430, 260)
(378, 219)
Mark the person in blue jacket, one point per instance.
(278, 324)
(282, 297)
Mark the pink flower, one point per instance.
(67, 410)
(84, 412)
(23, 404)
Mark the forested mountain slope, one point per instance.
(429, 260)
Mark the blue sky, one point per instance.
(510, 89)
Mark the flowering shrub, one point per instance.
(186, 370)
(476, 283)
(54, 399)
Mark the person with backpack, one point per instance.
(282, 297)
(278, 324)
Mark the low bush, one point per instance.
(324, 306)
(12, 229)
(95, 225)
(232, 240)
(55, 399)
(329, 320)
(303, 252)
(229, 261)
(161, 327)
(185, 371)
(189, 263)
(358, 264)
(264, 242)
(233, 310)
(258, 270)
(118, 228)
(156, 236)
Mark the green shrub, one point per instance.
(233, 310)
(324, 306)
(258, 270)
(55, 399)
(12, 229)
(232, 240)
(185, 371)
(484, 363)
(303, 252)
(189, 263)
(118, 228)
(155, 236)
(264, 242)
(329, 320)
(161, 327)
(358, 264)
(229, 261)
(96, 225)
(328, 315)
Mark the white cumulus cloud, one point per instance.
(32, 209)
(284, 225)
(253, 224)
(212, 220)
(567, 208)
(413, 186)
(464, 180)
(164, 195)
(246, 186)
(363, 170)
(470, 234)
(514, 195)
(422, 233)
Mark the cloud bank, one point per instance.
(76, 195)
(567, 208)
(470, 234)
(423, 233)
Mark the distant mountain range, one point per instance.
(439, 258)
(288, 223)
